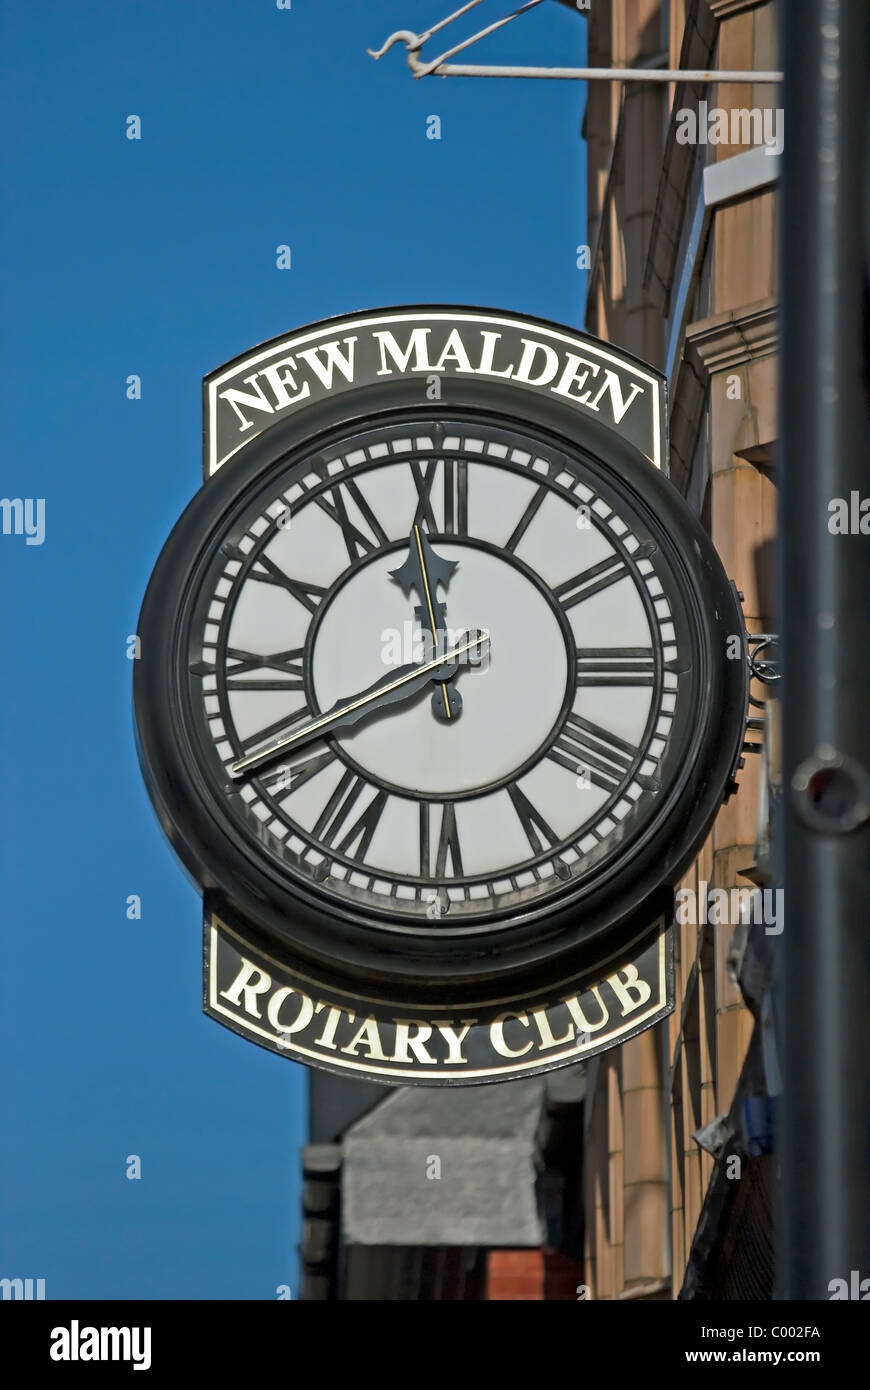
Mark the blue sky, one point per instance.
(260, 127)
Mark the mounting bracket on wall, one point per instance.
(767, 672)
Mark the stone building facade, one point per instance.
(682, 238)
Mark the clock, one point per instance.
(438, 690)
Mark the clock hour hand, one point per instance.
(424, 571)
(398, 685)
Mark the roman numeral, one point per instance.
(267, 572)
(597, 577)
(289, 662)
(615, 666)
(591, 581)
(455, 497)
(335, 814)
(448, 844)
(423, 483)
(526, 519)
(586, 747)
(359, 542)
(531, 819)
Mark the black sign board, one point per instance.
(260, 997)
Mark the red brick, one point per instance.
(515, 1274)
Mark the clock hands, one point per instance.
(424, 570)
(390, 689)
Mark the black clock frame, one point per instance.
(541, 941)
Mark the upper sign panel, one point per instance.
(434, 350)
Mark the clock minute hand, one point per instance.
(390, 689)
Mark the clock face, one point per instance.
(324, 753)
(566, 727)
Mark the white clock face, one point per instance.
(554, 758)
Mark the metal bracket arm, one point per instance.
(438, 67)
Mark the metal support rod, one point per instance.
(822, 997)
(442, 23)
(599, 74)
(481, 34)
(438, 68)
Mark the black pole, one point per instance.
(824, 999)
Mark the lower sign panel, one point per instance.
(291, 1013)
